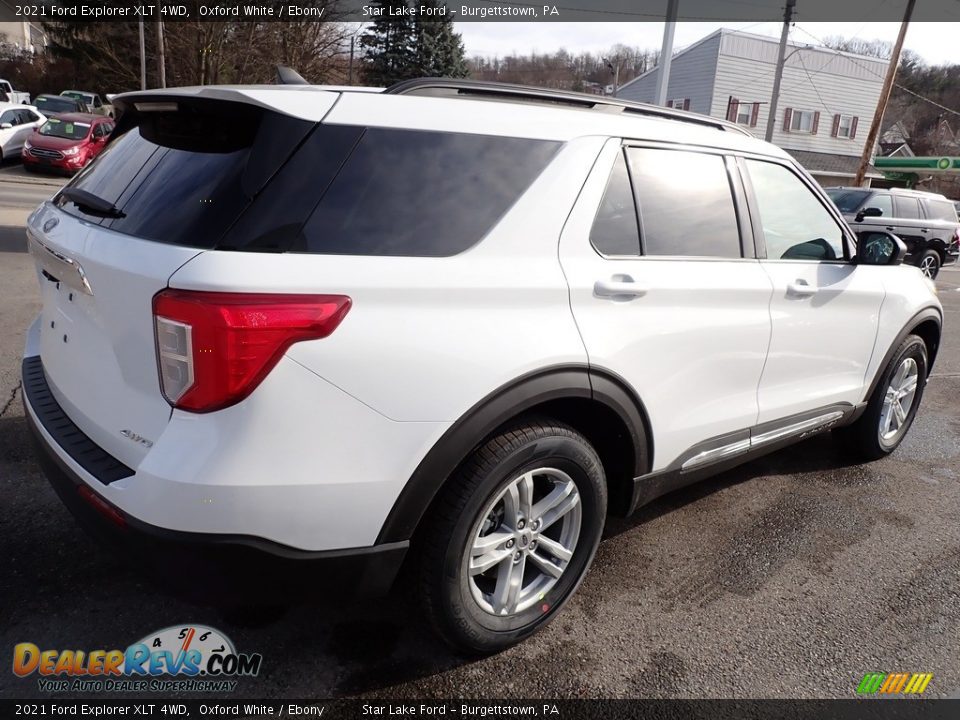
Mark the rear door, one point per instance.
(666, 291)
(824, 310)
(910, 225)
(163, 191)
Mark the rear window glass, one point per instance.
(184, 178)
(941, 210)
(907, 207)
(55, 104)
(418, 193)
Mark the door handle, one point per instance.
(618, 287)
(890, 228)
(801, 288)
(924, 230)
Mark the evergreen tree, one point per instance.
(439, 50)
(389, 45)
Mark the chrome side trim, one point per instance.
(796, 428)
(65, 269)
(746, 444)
(724, 451)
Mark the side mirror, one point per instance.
(876, 247)
(869, 212)
(6, 126)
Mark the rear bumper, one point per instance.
(205, 566)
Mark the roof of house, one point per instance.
(765, 38)
(830, 164)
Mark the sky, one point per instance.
(934, 42)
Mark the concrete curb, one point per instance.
(48, 182)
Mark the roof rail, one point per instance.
(484, 90)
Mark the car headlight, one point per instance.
(27, 145)
(72, 150)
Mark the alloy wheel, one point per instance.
(524, 541)
(928, 266)
(898, 400)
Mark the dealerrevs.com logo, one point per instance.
(188, 658)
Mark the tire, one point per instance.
(868, 437)
(929, 264)
(486, 498)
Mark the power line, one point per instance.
(870, 70)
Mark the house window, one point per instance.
(845, 126)
(679, 103)
(744, 112)
(802, 121)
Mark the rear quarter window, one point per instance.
(420, 193)
(940, 210)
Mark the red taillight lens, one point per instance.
(215, 348)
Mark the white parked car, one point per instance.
(17, 123)
(349, 329)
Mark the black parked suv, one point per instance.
(926, 222)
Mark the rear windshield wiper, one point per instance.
(90, 203)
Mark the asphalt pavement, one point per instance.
(790, 577)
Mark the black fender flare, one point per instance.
(499, 407)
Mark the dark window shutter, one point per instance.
(754, 114)
(816, 122)
(836, 126)
(732, 106)
(686, 103)
(853, 127)
(669, 103)
(787, 117)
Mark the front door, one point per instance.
(825, 309)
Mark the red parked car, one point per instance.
(67, 142)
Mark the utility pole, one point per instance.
(778, 77)
(615, 71)
(143, 59)
(160, 59)
(884, 97)
(666, 51)
(350, 78)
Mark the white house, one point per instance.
(827, 97)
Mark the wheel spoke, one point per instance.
(909, 385)
(525, 492)
(506, 594)
(488, 551)
(559, 509)
(554, 548)
(899, 412)
(548, 567)
(511, 506)
(887, 417)
(481, 563)
(556, 496)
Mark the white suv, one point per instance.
(450, 324)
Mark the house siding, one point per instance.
(691, 76)
(823, 82)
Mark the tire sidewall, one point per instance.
(581, 464)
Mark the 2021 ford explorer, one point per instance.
(449, 324)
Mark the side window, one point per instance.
(615, 230)
(884, 202)
(940, 210)
(10, 116)
(96, 102)
(685, 203)
(422, 194)
(907, 207)
(796, 225)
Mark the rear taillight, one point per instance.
(213, 349)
